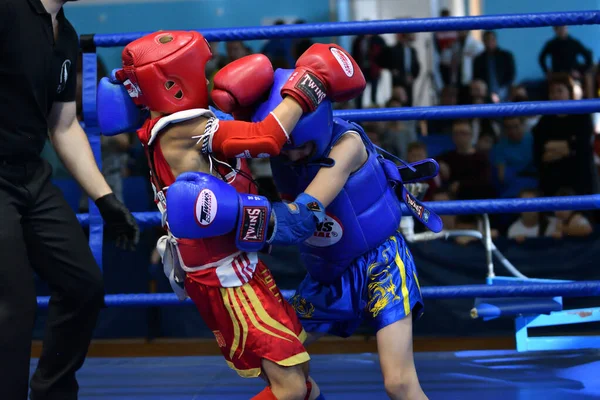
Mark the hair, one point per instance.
(445, 12)
(565, 191)
(513, 117)
(416, 146)
(535, 192)
(488, 133)
(562, 79)
(450, 89)
(461, 121)
(444, 190)
(486, 34)
(388, 103)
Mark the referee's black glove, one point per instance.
(119, 223)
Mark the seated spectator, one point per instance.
(373, 131)
(532, 224)
(299, 46)
(485, 143)
(448, 97)
(519, 94)
(478, 94)
(465, 170)
(417, 151)
(513, 155)
(449, 221)
(562, 146)
(236, 50)
(279, 50)
(397, 135)
(571, 223)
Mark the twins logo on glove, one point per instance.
(254, 221)
(343, 60)
(206, 207)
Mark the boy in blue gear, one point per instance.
(358, 263)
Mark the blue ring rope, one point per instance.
(472, 111)
(493, 206)
(573, 289)
(504, 21)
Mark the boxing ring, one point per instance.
(530, 302)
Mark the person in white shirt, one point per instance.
(531, 224)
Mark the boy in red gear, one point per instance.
(256, 329)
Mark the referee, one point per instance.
(39, 232)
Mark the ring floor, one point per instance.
(467, 375)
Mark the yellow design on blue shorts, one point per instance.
(382, 285)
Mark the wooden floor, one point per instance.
(327, 345)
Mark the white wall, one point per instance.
(391, 9)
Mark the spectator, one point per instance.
(417, 151)
(279, 51)
(562, 146)
(235, 51)
(485, 143)
(532, 224)
(448, 97)
(571, 223)
(398, 134)
(216, 62)
(369, 51)
(466, 171)
(374, 133)
(478, 94)
(496, 67)
(513, 155)
(442, 43)
(403, 63)
(518, 94)
(564, 51)
(449, 221)
(464, 51)
(300, 45)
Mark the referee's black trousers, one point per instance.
(40, 233)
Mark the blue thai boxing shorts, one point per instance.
(381, 286)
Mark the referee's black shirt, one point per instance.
(35, 72)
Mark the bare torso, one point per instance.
(181, 151)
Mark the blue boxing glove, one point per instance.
(117, 113)
(295, 222)
(200, 206)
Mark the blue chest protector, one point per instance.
(364, 214)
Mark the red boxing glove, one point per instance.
(240, 85)
(324, 70)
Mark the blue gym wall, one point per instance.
(110, 16)
(527, 43)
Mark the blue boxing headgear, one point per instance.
(316, 127)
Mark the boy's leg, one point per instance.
(257, 331)
(394, 296)
(394, 344)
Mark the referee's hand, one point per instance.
(119, 223)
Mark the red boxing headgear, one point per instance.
(164, 71)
